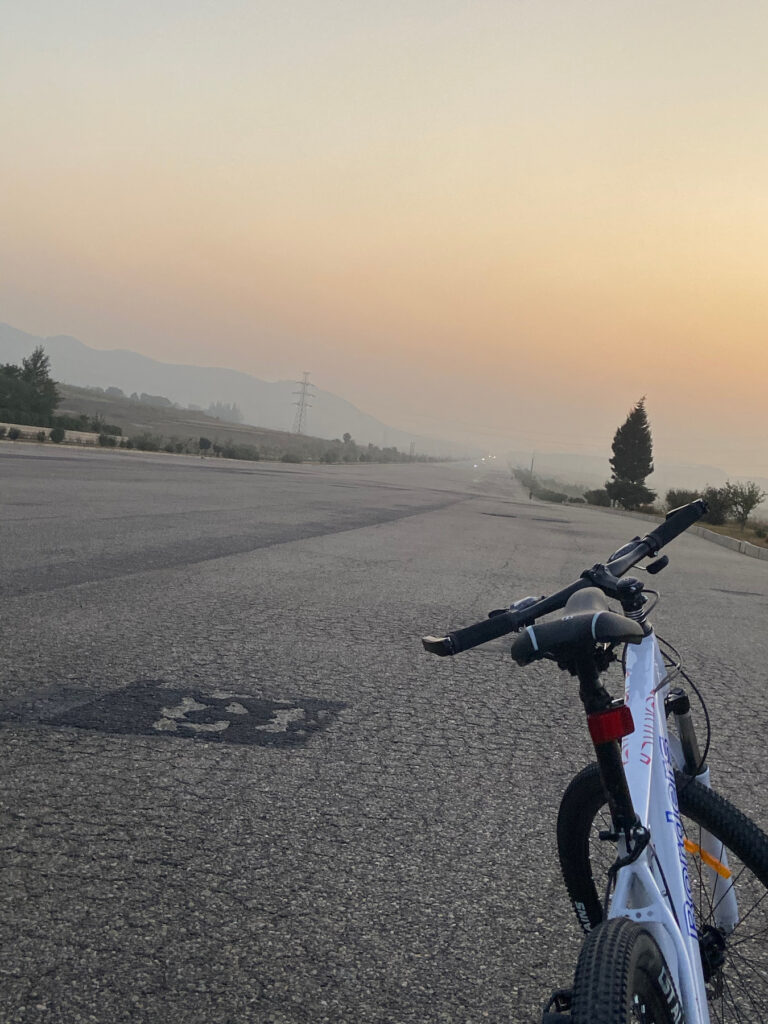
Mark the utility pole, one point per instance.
(530, 481)
(302, 404)
(413, 449)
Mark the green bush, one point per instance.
(290, 457)
(107, 441)
(599, 496)
(244, 452)
(720, 504)
(676, 498)
(3, 431)
(41, 436)
(14, 434)
(544, 494)
(146, 443)
(58, 434)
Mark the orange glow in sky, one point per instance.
(498, 220)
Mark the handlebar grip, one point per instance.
(482, 632)
(677, 522)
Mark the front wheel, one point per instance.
(735, 963)
(621, 978)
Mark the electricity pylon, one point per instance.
(302, 404)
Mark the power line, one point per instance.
(302, 404)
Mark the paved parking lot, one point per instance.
(235, 789)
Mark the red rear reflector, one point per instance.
(612, 724)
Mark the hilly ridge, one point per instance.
(262, 403)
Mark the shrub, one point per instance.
(290, 457)
(81, 422)
(3, 431)
(599, 496)
(58, 434)
(146, 443)
(244, 452)
(41, 436)
(107, 441)
(204, 444)
(14, 434)
(676, 498)
(744, 499)
(720, 504)
(544, 494)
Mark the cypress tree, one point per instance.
(632, 460)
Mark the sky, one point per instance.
(503, 221)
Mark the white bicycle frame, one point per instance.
(655, 889)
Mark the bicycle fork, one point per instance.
(712, 854)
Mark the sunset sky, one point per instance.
(497, 220)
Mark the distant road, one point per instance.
(236, 790)
(119, 513)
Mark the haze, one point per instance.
(500, 221)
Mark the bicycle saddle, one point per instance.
(586, 619)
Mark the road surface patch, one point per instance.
(152, 708)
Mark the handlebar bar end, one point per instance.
(441, 645)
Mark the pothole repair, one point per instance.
(151, 708)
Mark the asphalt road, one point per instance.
(234, 788)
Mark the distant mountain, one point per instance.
(262, 403)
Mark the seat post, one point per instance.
(595, 698)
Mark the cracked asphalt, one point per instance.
(395, 865)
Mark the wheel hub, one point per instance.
(712, 946)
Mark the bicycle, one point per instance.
(637, 826)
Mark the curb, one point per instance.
(743, 547)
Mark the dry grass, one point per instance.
(749, 533)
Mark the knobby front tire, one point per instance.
(621, 978)
(737, 991)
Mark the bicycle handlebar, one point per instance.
(502, 623)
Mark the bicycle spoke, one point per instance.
(746, 988)
(734, 1004)
(750, 937)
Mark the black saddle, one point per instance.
(586, 620)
